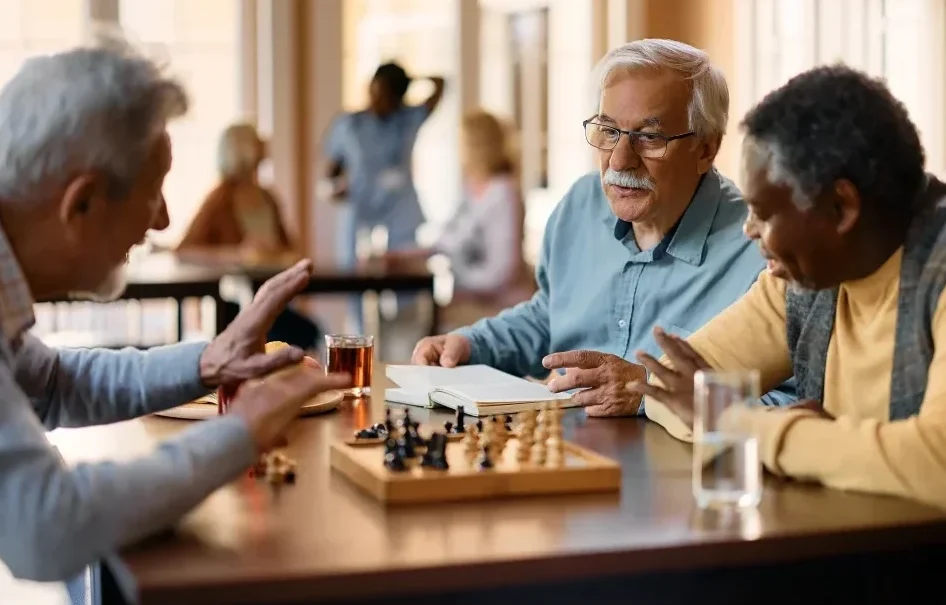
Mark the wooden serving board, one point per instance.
(581, 471)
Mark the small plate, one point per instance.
(206, 407)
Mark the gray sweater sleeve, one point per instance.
(54, 521)
(82, 387)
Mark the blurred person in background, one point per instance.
(84, 152)
(653, 238)
(483, 240)
(369, 154)
(240, 221)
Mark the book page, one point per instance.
(521, 392)
(426, 378)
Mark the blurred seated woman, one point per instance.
(239, 221)
(483, 240)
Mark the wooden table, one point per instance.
(322, 540)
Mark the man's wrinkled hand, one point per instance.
(238, 353)
(269, 405)
(447, 350)
(676, 377)
(602, 376)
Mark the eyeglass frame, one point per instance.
(631, 135)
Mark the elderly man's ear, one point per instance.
(81, 196)
(706, 154)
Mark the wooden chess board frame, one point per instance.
(582, 471)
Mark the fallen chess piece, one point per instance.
(276, 468)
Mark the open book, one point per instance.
(481, 390)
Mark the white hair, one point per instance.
(90, 109)
(760, 155)
(709, 100)
(238, 150)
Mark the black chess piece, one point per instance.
(380, 428)
(448, 427)
(369, 433)
(414, 436)
(393, 459)
(436, 455)
(459, 428)
(479, 426)
(509, 423)
(485, 461)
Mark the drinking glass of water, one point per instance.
(726, 466)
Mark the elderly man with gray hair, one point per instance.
(84, 151)
(654, 239)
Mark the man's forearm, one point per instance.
(515, 341)
(56, 520)
(81, 387)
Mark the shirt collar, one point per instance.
(16, 300)
(687, 240)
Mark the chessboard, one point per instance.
(394, 463)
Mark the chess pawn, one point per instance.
(525, 430)
(471, 442)
(500, 433)
(539, 438)
(486, 460)
(555, 445)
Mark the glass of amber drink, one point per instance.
(352, 355)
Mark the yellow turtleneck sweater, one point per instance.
(860, 449)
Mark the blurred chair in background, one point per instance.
(240, 221)
(484, 238)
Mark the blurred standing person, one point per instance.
(484, 238)
(369, 154)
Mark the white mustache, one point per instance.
(628, 179)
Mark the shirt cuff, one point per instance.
(767, 424)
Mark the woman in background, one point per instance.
(239, 221)
(483, 240)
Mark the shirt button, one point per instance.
(622, 324)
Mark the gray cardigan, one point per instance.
(54, 520)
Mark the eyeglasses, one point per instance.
(649, 145)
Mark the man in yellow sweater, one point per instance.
(850, 303)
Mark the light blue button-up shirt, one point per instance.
(599, 291)
(376, 154)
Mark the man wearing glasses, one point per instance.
(654, 239)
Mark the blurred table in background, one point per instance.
(323, 540)
(165, 275)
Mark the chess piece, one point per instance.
(539, 437)
(527, 421)
(448, 427)
(486, 461)
(393, 459)
(380, 428)
(479, 425)
(369, 433)
(555, 444)
(508, 423)
(414, 436)
(388, 423)
(471, 443)
(436, 454)
(459, 427)
(500, 434)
